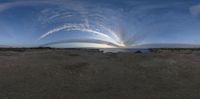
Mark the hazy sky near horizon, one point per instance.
(99, 23)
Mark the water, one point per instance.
(130, 50)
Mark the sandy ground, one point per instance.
(81, 74)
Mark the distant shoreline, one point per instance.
(109, 50)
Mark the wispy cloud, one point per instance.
(80, 41)
(82, 28)
(195, 10)
(8, 5)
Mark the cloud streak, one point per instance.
(94, 41)
(8, 5)
(79, 27)
(195, 10)
(81, 18)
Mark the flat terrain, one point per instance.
(89, 74)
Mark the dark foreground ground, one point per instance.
(82, 74)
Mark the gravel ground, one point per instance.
(84, 74)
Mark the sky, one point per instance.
(98, 23)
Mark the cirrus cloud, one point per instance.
(8, 5)
(195, 10)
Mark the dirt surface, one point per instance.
(82, 74)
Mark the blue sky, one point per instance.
(118, 23)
